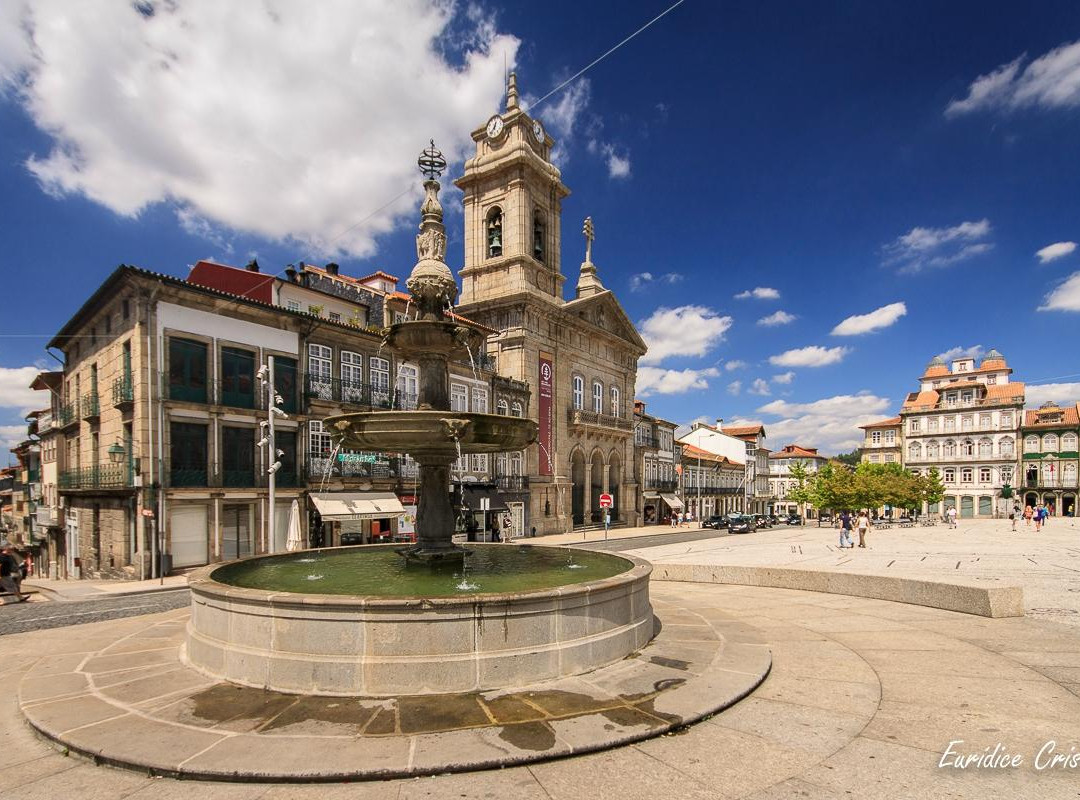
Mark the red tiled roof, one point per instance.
(1070, 416)
(891, 422)
(744, 430)
(936, 371)
(795, 451)
(689, 450)
(1003, 391)
(927, 398)
(377, 274)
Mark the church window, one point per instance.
(502, 408)
(579, 393)
(538, 237)
(515, 409)
(598, 397)
(494, 233)
(615, 401)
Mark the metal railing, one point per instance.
(98, 476)
(177, 477)
(353, 465)
(346, 392)
(512, 483)
(947, 459)
(583, 417)
(659, 485)
(1050, 483)
(647, 441)
(123, 390)
(45, 423)
(90, 405)
(68, 414)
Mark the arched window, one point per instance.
(915, 450)
(967, 448)
(494, 232)
(615, 411)
(1050, 443)
(1068, 442)
(502, 407)
(598, 397)
(1006, 446)
(949, 449)
(966, 475)
(1068, 474)
(538, 237)
(1050, 473)
(948, 475)
(931, 449)
(986, 447)
(515, 409)
(1031, 444)
(579, 393)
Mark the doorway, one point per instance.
(236, 531)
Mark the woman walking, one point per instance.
(864, 527)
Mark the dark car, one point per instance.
(741, 523)
(350, 538)
(793, 519)
(761, 521)
(773, 519)
(715, 521)
(824, 516)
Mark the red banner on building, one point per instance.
(547, 415)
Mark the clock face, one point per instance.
(494, 126)
(538, 131)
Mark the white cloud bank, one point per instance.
(830, 424)
(683, 331)
(656, 380)
(784, 378)
(813, 356)
(1055, 251)
(258, 120)
(643, 280)
(760, 293)
(921, 248)
(1061, 393)
(873, 321)
(16, 395)
(975, 351)
(735, 364)
(759, 387)
(1050, 81)
(1065, 296)
(777, 318)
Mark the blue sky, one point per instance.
(900, 163)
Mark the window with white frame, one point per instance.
(1050, 443)
(967, 447)
(1007, 446)
(875, 437)
(1031, 444)
(914, 426)
(931, 449)
(932, 425)
(984, 420)
(967, 422)
(615, 405)
(407, 386)
(459, 397)
(319, 368)
(890, 458)
(480, 463)
(875, 458)
(948, 475)
(890, 437)
(579, 393)
(502, 408)
(379, 377)
(915, 450)
(293, 305)
(479, 399)
(1068, 442)
(598, 397)
(1006, 474)
(986, 447)
(319, 443)
(516, 409)
(984, 474)
(1068, 474)
(967, 396)
(991, 380)
(949, 448)
(966, 475)
(515, 464)
(1006, 419)
(950, 423)
(352, 376)
(335, 316)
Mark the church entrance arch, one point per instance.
(596, 486)
(614, 480)
(577, 490)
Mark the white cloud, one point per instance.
(759, 387)
(952, 353)
(760, 293)
(1065, 297)
(562, 116)
(920, 248)
(1055, 251)
(1050, 81)
(16, 394)
(734, 387)
(1061, 393)
(784, 378)
(831, 424)
(655, 380)
(682, 331)
(258, 121)
(813, 356)
(618, 165)
(685, 428)
(642, 280)
(873, 321)
(777, 318)
(10, 436)
(735, 364)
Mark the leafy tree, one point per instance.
(801, 494)
(851, 459)
(932, 486)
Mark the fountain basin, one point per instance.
(427, 337)
(380, 645)
(421, 433)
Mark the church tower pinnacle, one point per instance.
(588, 281)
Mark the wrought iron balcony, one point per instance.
(98, 476)
(374, 466)
(123, 390)
(512, 483)
(591, 419)
(90, 406)
(348, 393)
(657, 485)
(68, 414)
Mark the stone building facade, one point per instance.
(579, 355)
(1050, 460)
(781, 482)
(656, 466)
(883, 442)
(965, 421)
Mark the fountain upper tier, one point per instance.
(429, 338)
(432, 433)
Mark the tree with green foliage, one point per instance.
(801, 493)
(933, 487)
(851, 459)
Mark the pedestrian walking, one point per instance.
(950, 514)
(864, 527)
(1039, 512)
(1028, 514)
(845, 530)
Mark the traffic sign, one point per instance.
(606, 500)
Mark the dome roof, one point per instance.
(993, 355)
(936, 361)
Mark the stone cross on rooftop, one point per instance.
(589, 236)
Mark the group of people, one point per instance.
(849, 521)
(1039, 514)
(680, 519)
(12, 571)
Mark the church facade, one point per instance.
(579, 355)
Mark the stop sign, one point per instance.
(606, 501)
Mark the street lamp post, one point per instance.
(269, 442)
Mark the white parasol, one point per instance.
(295, 539)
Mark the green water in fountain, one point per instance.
(380, 571)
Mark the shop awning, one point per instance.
(651, 496)
(471, 496)
(674, 503)
(340, 506)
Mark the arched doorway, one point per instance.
(614, 479)
(1068, 505)
(1031, 499)
(577, 490)
(597, 480)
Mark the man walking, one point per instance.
(845, 530)
(951, 516)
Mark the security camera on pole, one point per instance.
(273, 405)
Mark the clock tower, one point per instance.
(513, 197)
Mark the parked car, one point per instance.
(716, 521)
(824, 516)
(773, 519)
(793, 519)
(741, 523)
(761, 520)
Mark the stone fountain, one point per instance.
(378, 622)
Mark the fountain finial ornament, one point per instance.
(431, 282)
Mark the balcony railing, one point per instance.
(68, 414)
(512, 483)
(946, 459)
(123, 390)
(1050, 483)
(345, 392)
(647, 441)
(45, 423)
(658, 485)
(480, 361)
(99, 476)
(47, 515)
(90, 406)
(353, 465)
(591, 418)
(178, 477)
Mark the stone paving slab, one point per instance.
(132, 703)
